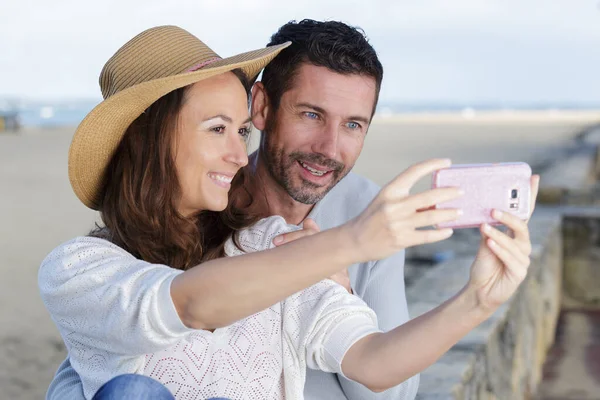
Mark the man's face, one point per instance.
(318, 131)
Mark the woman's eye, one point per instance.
(218, 129)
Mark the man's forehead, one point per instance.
(308, 74)
(330, 90)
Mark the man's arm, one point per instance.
(382, 288)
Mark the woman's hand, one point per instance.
(503, 258)
(390, 223)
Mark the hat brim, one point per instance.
(99, 134)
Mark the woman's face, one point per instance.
(210, 144)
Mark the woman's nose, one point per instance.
(237, 152)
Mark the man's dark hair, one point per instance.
(331, 44)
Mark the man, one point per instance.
(314, 106)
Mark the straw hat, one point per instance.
(152, 64)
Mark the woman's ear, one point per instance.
(260, 106)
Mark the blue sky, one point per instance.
(467, 51)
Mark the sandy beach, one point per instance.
(38, 209)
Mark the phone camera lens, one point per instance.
(514, 194)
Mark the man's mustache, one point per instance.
(318, 159)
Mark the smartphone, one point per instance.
(502, 186)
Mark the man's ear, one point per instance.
(260, 106)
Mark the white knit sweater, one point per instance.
(116, 316)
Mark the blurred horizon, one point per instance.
(58, 113)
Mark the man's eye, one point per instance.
(244, 132)
(311, 115)
(353, 125)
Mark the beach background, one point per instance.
(476, 81)
(38, 209)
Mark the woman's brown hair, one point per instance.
(141, 189)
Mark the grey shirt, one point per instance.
(380, 284)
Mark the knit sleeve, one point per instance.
(105, 301)
(320, 323)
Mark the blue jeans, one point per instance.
(135, 387)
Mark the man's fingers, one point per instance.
(310, 228)
(342, 278)
(401, 185)
(310, 223)
(290, 237)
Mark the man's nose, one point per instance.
(326, 145)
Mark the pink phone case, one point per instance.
(503, 186)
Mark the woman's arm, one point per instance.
(220, 292)
(380, 361)
(383, 360)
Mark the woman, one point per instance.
(158, 180)
(157, 158)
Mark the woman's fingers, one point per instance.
(518, 227)
(400, 186)
(431, 198)
(425, 236)
(535, 187)
(433, 217)
(506, 243)
(515, 267)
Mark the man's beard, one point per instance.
(280, 166)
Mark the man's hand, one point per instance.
(310, 227)
(343, 279)
(503, 258)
